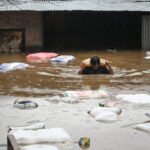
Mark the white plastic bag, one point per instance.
(52, 135)
(36, 126)
(143, 126)
(39, 147)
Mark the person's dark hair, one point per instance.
(95, 60)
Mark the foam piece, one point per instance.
(134, 74)
(52, 135)
(105, 114)
(62, 59)
(143, 127)
(40, 57)
(85, 94)
(36, 126)
(39, 147)
(5, 67)
(135, 98)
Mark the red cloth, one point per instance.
(40, 57)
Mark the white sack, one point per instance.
(106, 116)
(96, 110)
(39, 147)
(144, 127)
(40, 136)
(135, 98)
(36, 126)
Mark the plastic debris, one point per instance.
(36, 126)
(135, 98)
(143, 127)
(101, 105)
(52, 135)
(40, 57)
(63, 59)
(5, 67)
(110, 104)
(105, 114)
(85, 94)
(24, 104)
(84, 142)
(39, 147)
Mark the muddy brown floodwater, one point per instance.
(45, 83)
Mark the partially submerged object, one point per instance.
(135, 98)
(52, 135)
(85, 94)
(40, 57)
(62, 59)
(5, 67)
(143, 127)
(24, 104)
(105, 114)
(84, 142)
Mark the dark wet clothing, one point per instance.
(101, 70)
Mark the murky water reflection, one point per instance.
(131, 73)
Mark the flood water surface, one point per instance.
(131, 72)
(45, 84)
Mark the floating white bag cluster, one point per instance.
(85, 94)
(105, 114)
(5, 67)
(36, 126)
(143, 127)
(52, 135)
(135, 98)
(62, 59)
(39, 147)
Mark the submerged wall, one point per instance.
(28, 22)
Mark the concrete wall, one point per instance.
(146, 32)
(31, 22)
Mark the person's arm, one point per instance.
(82, 68)
(109, 67)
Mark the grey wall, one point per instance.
(31, 22)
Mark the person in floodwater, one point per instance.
(95, 67)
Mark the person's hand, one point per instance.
(107, 63)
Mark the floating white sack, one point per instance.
(62, 59)
(39, 147)
(12, 66)
(52, 135)
(144, 127)
(36, 126)
(147, 57)
(135, 98)
(105, 114)
(99, 109)
(85, 94)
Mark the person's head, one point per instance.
(95, 62)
